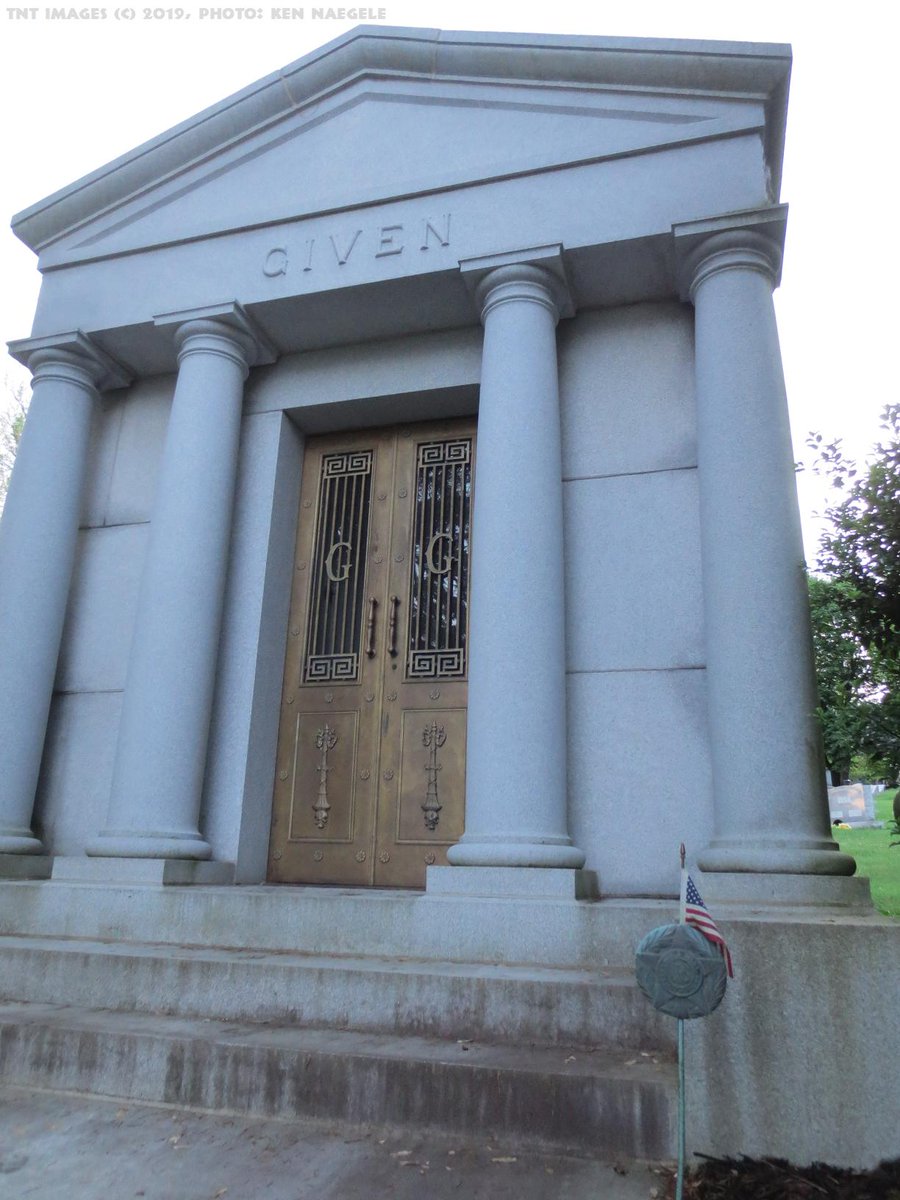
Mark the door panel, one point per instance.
(325, 795)
(370, 774)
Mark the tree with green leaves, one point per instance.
(856, 606)
(841, 671)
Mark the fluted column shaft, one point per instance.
(38, 539)
(771, 811)
(161, 751)
(516, 741)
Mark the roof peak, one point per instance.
(575, 60)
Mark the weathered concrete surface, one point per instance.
(567, 1100)
(59, 1145)
(339, 921)
(602, 1008)
(816, 1001)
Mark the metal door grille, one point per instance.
(334, 629)
(439, 578)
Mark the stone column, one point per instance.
(516, 741)
(771, 810)
(161, 753)
(38, 540)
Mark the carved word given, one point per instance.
(384, 241)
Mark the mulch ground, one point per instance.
(775, 1179)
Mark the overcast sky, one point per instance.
(77, 93)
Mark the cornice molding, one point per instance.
(727, 69)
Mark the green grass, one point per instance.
(876, 857)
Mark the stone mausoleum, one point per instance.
(401, 560)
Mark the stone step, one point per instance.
(609, 1105)
(601, 1008)
(336, 921)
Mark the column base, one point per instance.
(136, 845)
(175, 871)
(509, 852)
(746, 889)
(25, 866)
(505, 882)
(806, 857)
(20, 841)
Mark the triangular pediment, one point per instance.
(385, 129)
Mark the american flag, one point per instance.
(696, 914)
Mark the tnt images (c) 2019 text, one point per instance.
(204, 14)
(56, 14)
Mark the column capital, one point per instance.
(536, 274)
(73, 357)
(214, 337)
(227, 322)
(748, 241)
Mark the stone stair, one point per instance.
(506, 1005)
(564, 1053)
(574, 1100)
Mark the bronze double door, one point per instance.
(370, 773)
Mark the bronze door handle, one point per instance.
(370, 628)
(392, 627)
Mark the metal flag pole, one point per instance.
(683, 970)
(679, 1178)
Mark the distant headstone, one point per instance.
(853, 803)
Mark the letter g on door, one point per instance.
(338, 574)
(439, 566)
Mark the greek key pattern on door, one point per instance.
(438, 596)
(335, 623)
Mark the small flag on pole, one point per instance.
(696, 914)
